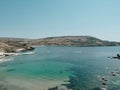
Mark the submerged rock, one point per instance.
(97, 88)
(10, 70)
(116, 57)
(54, 88)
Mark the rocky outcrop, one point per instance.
(12, 44)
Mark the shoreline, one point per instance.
(6, 56)
(5, 59)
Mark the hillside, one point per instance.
(73, 41)
(11, 44)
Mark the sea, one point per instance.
(76, 68)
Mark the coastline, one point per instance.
(10, 56)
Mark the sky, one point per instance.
(49, 18)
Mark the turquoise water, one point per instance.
(52, 66)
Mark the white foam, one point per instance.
(27, 53)
(4, 59)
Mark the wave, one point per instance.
(4, 59)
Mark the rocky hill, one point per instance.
(73, 41)
(11, 44)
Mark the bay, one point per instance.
(51, 66)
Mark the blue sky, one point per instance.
(46, 18)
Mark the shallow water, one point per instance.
(52, 66)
